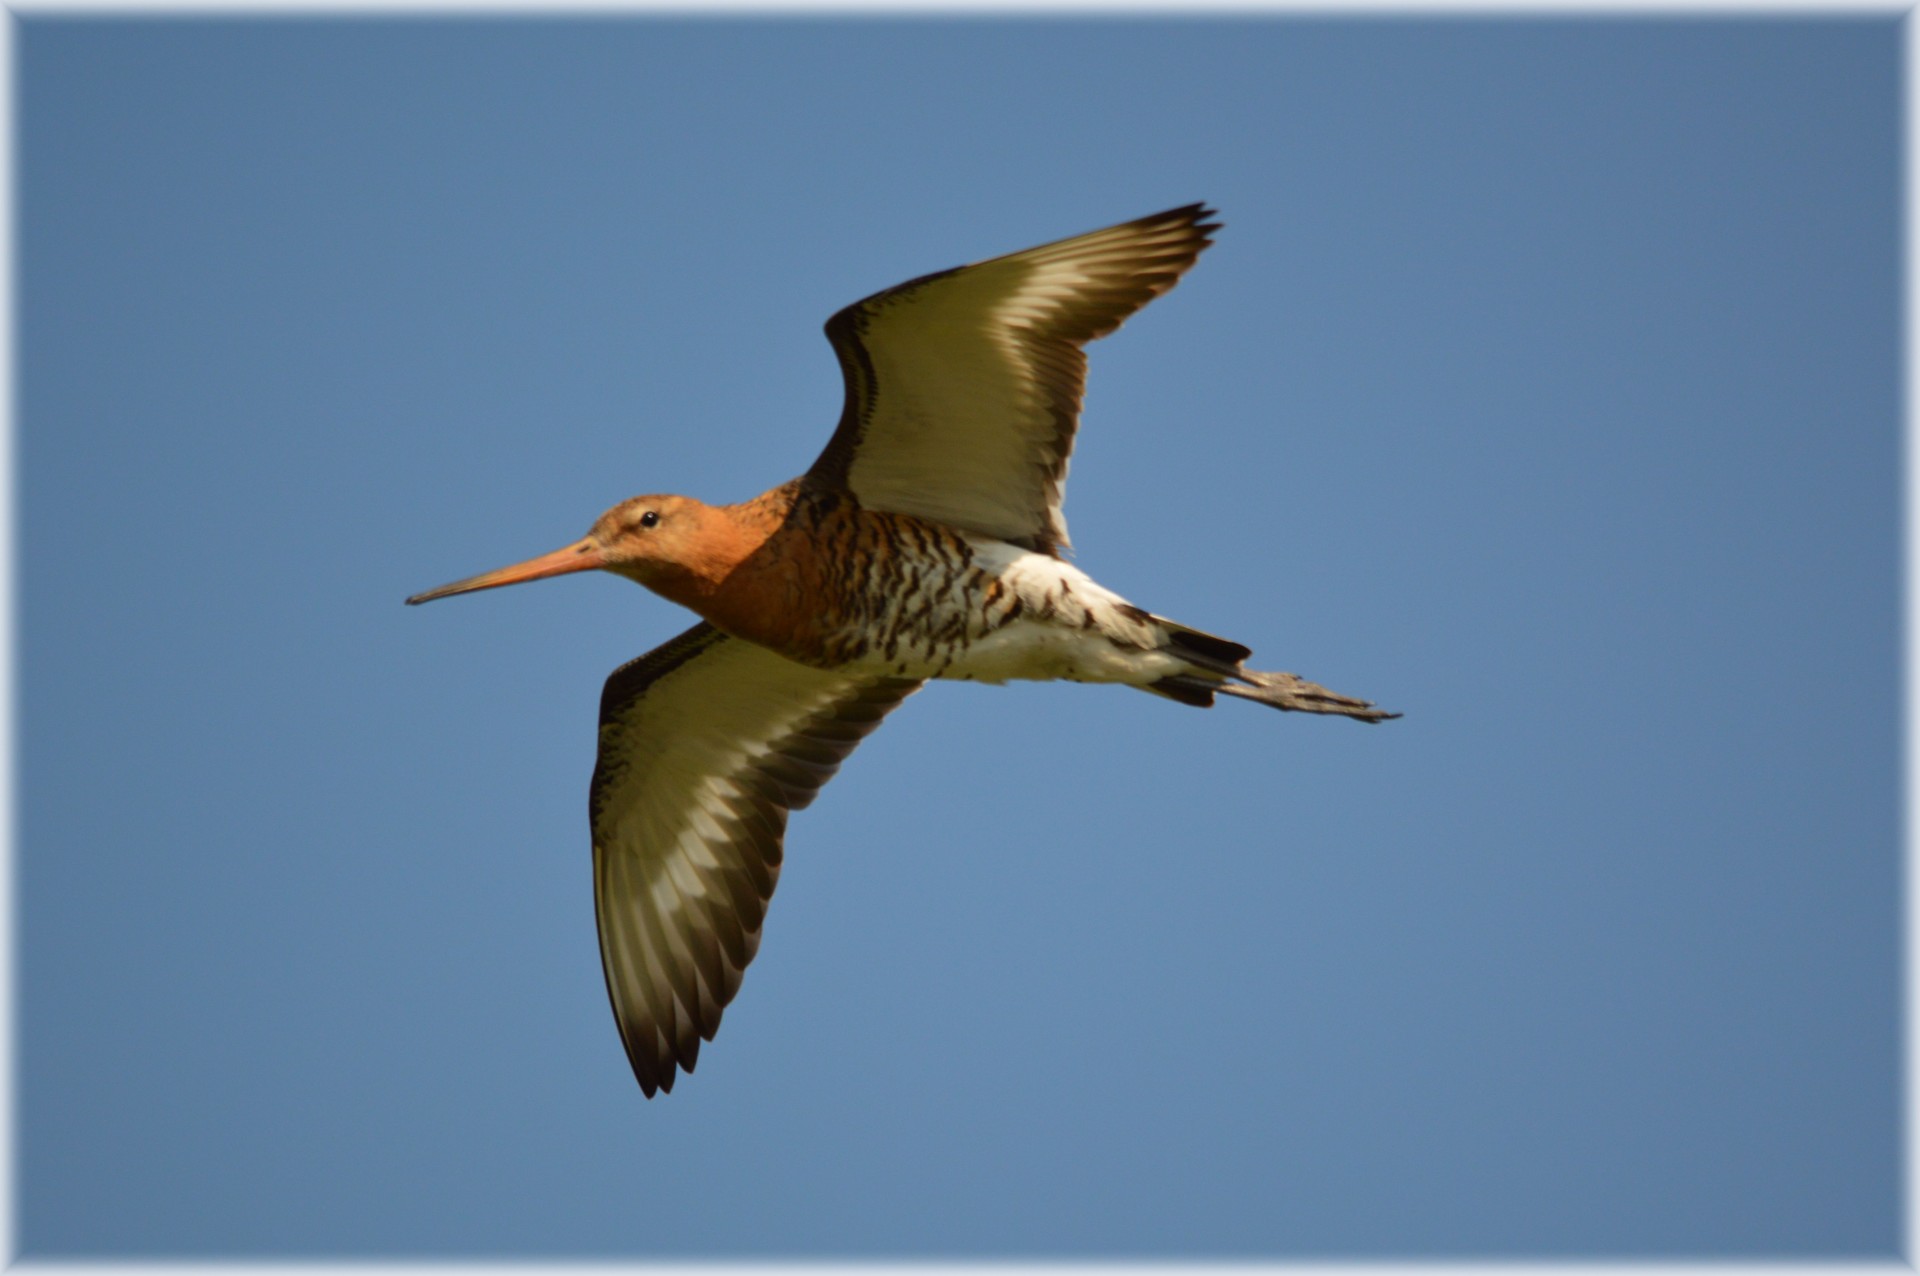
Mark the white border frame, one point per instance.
(1910, 604)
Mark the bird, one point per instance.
(926, 542)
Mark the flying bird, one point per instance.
(927, 541)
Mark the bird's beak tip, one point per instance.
(580, 556)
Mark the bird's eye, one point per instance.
(650, 518)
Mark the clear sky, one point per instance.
(1544, 385)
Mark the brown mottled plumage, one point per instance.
(924, 543)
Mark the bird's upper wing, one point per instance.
(963, 388)
(705, 744)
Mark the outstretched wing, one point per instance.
(963, 388)
(705, 744)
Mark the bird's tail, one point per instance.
(1218, 670)
(1290, 691)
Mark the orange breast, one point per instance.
(759, 572)
(817, 578)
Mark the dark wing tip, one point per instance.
(1196, 213)
(655, 1070)
(1197, 217)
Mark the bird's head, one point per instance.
(663, 542)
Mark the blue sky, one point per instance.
(1544, 385)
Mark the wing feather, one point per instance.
(705, 744)
(964, 387)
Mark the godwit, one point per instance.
(924, 543)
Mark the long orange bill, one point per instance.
(581, 556)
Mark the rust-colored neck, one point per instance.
(728, 572)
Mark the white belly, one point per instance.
(1043, 651)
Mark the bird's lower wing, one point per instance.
(705, 744)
